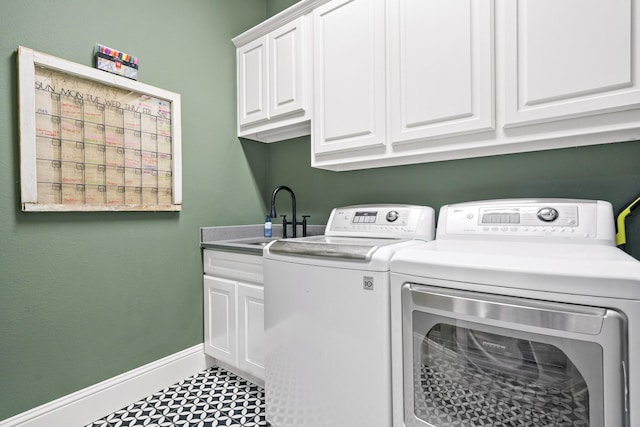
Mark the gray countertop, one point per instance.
(248, 239)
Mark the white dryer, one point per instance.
(328, 349)
(520, 313)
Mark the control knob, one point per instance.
(392, 216)
(547, 214)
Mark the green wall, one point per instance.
(276, 6)
(87, 296)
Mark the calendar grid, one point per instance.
(98, 146)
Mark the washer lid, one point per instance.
(347, 248)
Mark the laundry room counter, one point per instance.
(246, 239)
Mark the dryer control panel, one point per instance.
(382, 221)
(580, 221)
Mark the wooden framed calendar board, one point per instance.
(94, 141)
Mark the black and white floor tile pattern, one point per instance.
(211, 398)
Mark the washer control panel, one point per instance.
(382, 221)
(522, 218)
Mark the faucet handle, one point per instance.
(304, 225)
(284, 226)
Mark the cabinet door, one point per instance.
(349, 70)
(253, 102)
(286, 74)
(570, 58)
(251, 329)
(441, 68)
(220, 319)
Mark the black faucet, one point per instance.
(295, 222)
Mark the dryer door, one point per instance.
(473, 359)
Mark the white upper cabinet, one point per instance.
(348, 75)
(395, 82)
(286, 73)
(392, 73)
(273, 84)
(441, 68)
(253, 88)
(569, 58)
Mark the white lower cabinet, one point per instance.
(250, 325)
(220, 332)
(234, 311)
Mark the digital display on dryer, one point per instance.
(365, 217)
(501, 218)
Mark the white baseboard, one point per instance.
(94, 402)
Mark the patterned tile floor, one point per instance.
(210, 398)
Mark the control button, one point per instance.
(392, 216)
(485, 228)
(547, 214)
(514, 229)
(504, 228)
(470, 216)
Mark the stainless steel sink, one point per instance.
(265, 243)
(253, 245)
(259, 242)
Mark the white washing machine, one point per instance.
(328, 350)
(520, 313)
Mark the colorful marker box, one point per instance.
(116, 62)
